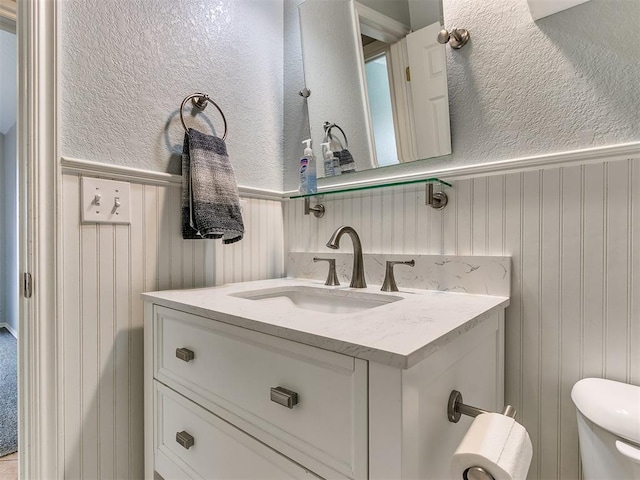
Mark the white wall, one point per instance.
(3, 273)
(8, 179)
(571, 233)
(9, 230)
(8, 80)
(105, 268)
(424, 12)
(522, 88)
(397, 9)
(126, 65)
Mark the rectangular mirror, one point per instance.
(378, 81)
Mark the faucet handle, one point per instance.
(389, 284)
(332, 278)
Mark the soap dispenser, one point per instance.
(308, 179)
(331, 162)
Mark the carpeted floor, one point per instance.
(8, 393)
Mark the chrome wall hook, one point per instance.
(456, 37)
(437, 200)
(305, 93)
(200, 102)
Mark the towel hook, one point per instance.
(456, 37)
(199, 101)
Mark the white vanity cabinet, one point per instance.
(209, 412)
(213, 381)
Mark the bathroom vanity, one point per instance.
(288, 378)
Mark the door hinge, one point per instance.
(407, 73)
(27, 285)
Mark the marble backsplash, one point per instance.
(481, 275)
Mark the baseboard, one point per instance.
(11, 330)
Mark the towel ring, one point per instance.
(199, 101)
(327, 131)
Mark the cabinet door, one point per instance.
(209, 447)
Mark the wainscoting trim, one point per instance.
(624, 151)
(118, 172)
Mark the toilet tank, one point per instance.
(608, 428)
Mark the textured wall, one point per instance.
(572, 234)
(526, 88)
(127, 64)
(521, 88)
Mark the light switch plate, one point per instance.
(105, 201)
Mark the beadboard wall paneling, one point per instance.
(106, 267)
(572, 233)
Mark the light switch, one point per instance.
(105, 201)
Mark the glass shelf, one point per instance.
(356, 187)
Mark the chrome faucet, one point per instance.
(357, 276)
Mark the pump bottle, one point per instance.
(308, 180)
(331, 162)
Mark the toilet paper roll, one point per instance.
(498, 444)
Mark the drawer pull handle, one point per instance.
(185, 354)
(184, 439)
(284, 397)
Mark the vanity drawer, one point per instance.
(209, 447)
(231, 371)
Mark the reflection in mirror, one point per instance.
(377, 71)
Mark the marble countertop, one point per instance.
(399, 334)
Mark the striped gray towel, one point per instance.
(210, 201)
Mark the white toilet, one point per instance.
(608, 428)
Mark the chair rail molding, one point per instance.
(586, 156)
(39, 405)
(119, 172)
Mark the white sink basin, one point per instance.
(319, 299)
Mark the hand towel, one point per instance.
(347, 163)
(210, 201)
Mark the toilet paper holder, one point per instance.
(455, 409)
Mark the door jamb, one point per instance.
(38, 157)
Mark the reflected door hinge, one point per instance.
(407, 73)
(27, 286)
